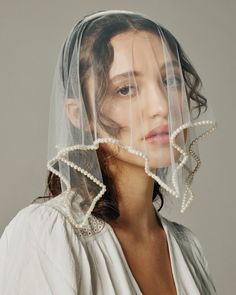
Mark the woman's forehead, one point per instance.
(138, 51)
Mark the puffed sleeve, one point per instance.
(37, 255)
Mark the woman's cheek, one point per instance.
(119, 114)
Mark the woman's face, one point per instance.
(138, 101)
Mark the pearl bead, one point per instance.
(175, 192)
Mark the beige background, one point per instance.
(31, 33)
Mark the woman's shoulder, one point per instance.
(193, 253)
(187, 240)
(38, 222)
(43, 219)
(38, 248)
(181, 232)
(33, 216)
(42, 211)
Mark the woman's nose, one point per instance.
(156, 102)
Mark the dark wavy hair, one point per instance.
(100, 33)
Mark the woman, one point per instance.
(125, 120)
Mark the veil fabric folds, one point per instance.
(122, 79)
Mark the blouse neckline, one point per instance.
(173, 266)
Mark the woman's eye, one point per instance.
(172, 81)
(127, 91)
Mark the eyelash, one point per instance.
(125, 87)
(177, 81)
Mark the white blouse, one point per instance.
(42, 253)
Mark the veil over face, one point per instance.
(123, 80)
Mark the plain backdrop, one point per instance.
(31, 33)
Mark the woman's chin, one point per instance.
(153, 165)
(162, 160)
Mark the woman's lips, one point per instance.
(161, 138)
(157, 130)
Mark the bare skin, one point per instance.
(149, 262)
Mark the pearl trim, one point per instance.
(174, 192)
(188, 181)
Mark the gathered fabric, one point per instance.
(42, 253)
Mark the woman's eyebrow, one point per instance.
(168, 64)
(126, 75)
